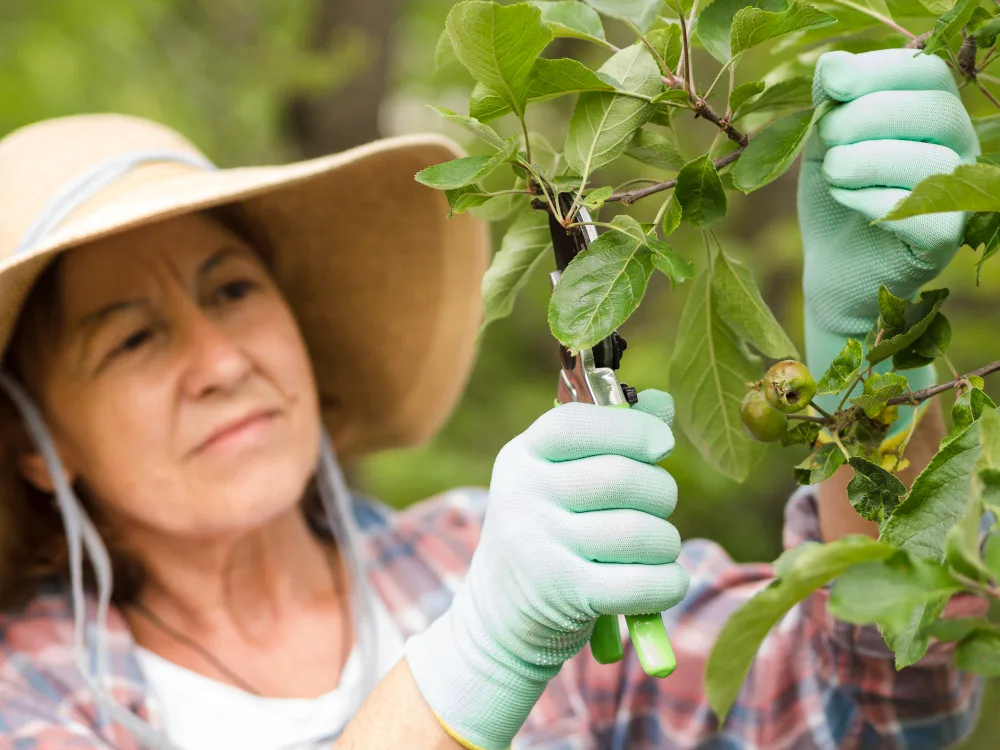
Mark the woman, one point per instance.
(188, 351)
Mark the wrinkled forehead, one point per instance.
(136, 262)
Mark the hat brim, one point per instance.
(384, 286)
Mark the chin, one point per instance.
(249, 497)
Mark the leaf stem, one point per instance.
(686, 57)
(821, 410)
(987, 94)
(836, 438)
(848, 389)
(976, 585)
(718, 76)
(901, 450)
(877, 16)
(808, 418)
(664, 68)
(917, 397)
(662, 210)
(629, 197)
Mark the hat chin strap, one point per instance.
(81, 535)
(93, 180)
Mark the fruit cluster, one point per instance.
(787, 387)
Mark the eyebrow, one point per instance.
(101, 314)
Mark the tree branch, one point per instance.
(922, 395)
(631, 196)
(703, 109)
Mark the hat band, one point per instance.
(89, 183)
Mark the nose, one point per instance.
(216, 363)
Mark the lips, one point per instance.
(236, 428)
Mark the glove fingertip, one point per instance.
(659, 404)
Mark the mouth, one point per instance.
(238, 430)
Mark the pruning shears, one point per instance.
(590, 377)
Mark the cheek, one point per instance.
(275, 345)
(119, 440)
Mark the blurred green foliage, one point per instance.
(223, 73)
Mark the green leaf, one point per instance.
(877, 390)
(483, 131)
(462, 199)
(987, 128)
(601, 286)
(969, 408)
(671, 217)
(937, 499)
(709, 366)
(803, 433)
(742, 307)
(524, 245)
(788, 94)
(444, 55)
(949, 631)
(678, 97)
(499, 45)
(949, 24)
(502, 207)
(640, 12)
(979, 653)
(548, 79)
(873, 491)
(666, 40)
(700, 192)
(603, 123)
(594, 199)
(649, 147)
(743, 92)
(752, 26)
(668, 262)
(888, 590)
(991, 554)
(910, 642)
(715, 21)
(918, 318)
(842, 370)
(892, 310)
(934, 342)
(986, 34)
(543, 154)
(744, 631)
(466, 170)
(820, 466)
(771, 152)
(569, 18)
(962, 542)
(971, 187)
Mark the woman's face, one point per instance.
(178, 388)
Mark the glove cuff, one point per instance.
(480, 696)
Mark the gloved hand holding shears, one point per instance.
(899, 120)
(575, 528)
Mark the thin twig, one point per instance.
(877, 16)
(987, 94)
(821, 410)
(976, 585)
(807, 418)
(686, 55)
(664, 68)
(703, 109)
(922, 395)
(631, 196)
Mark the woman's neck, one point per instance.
(258, 596)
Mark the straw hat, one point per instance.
(384, 286)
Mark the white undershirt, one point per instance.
(204, 714)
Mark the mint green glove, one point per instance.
(901, 120)
(575, 528)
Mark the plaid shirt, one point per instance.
(816, 683)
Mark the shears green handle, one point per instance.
(648, 634)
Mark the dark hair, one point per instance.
(36, 552)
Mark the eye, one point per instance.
(233, 291)
(133, 341)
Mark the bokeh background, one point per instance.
(268, 81)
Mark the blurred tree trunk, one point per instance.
(318, 124)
